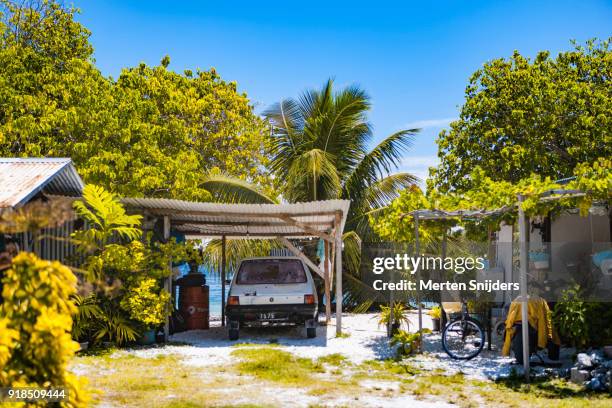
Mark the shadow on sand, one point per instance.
(217, 336)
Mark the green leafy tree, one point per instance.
(52, 95)
(176, 135)
(395, 224)
(150, 132)
(522, 116)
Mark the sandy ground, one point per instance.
(208, 350)
(365, 341)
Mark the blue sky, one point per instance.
(413, 58)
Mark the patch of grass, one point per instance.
(285, 369)
(391, 368)
(344, 335)
(465, 392)
(453, 379)
(276, 365)
(513, 392)
(335, 359)
(163, 381)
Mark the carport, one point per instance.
(316, 219)
(523, 229)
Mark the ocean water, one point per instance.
(214, 284)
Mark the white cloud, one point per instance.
(420, 161)
(430, 123)
(418, 166)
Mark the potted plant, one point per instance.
(436, 314)
(400, 315)
(148, 305)
(407, 343)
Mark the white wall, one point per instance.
(504, 254)
(575, 237)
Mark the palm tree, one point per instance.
(319, 147)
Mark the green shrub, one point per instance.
(35, 324)
(83, 321)
(114, 325)
(122, 270)
(146, 304)
(571, 317)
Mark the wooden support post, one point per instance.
(168, 280)
(303, 257)
(305, 227)
(223, 244)
(339, 296)
(523, 222)
(416, 254)
(326, 249)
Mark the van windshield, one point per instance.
(276, 271)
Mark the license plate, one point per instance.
(267, 316)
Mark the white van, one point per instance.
(272, 291)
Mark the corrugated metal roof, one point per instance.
(245, 220)
(22, 178)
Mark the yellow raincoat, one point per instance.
(538, 315)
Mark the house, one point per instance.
(563, 248)
(30, 180)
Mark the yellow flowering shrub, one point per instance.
(8, 340)
(146, 303)
(35, 324)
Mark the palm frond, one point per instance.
(287, 123)
(236, 249)
(87, 314)
(374, 199)
(348, 114)
(379, 162)
(228, 189)
(358, 295)
(87, 307)
(352, 251)
(312, 176)
(383, 191)
(115, 327)
(103, 211)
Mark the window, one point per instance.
(273, 271)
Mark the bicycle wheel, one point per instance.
(463, 339)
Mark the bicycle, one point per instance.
(464, 337)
